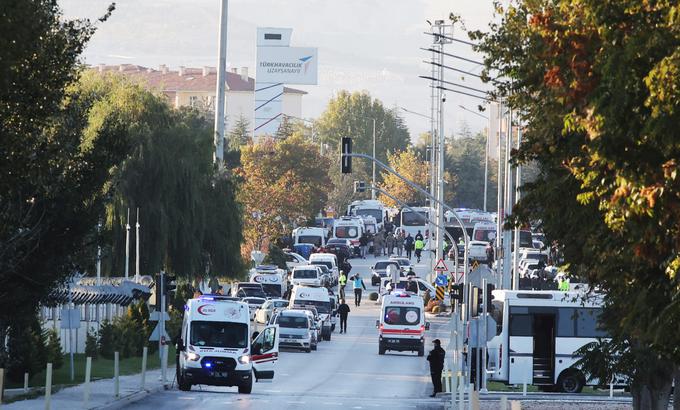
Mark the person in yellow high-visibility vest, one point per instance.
(419, 246)
(563, 285)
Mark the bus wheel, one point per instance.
(570, 381)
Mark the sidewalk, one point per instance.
(101, 393)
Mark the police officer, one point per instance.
(419, 245)
(436, 359)
(342, 282)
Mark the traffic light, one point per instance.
(346, 160)
(158, 290)
(457, 292)
(170, 284)
(489, 297)
(359, 186)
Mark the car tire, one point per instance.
(247, 387)
(381, 349)
(308, 350)
(570, 381)
(421, 351)
(181, 383)
(314, 347)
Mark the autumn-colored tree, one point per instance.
(410, 166)
(285, 183)
(597, 84)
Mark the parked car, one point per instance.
(269, 309)
(254, 303)
(294, 259)
(404, 263)
(296, 329)
(379, 270)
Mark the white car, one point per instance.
(404, 263)
(269, 309)
(254, 303)
(477, 250)
(293, 259)
(307, 275)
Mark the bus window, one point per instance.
(412, 219)
(586, 323)
(497, 315)
(565, 322)
(520, 322)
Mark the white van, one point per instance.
(423, 286)
(215, 348)
(306, 275)
(328, 259)
(402, 323)
(310, 296)
(349, 228)
(274, 281)
(313, 235)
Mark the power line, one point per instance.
(454, 84)
(452, 55)
(452, 39)
(463, 93)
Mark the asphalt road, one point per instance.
(346, 372)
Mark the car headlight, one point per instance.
(193, 356)
(245, 359)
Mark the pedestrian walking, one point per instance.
(419, 235)
(436, 359)
(378, 241)
(419, 245)
(363, 243)
(358, 285)
(342, 282)
(389, 240)
(399, 242)
(408, 245)
(343, 311)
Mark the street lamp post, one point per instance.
(221, 82)
(373, 180)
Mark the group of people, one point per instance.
(357, 284)
(387, 243)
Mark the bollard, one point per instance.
(86, 388)
(116, 378)
(504, 403)
(471, 389)
(48, 386)
(515, 405)
(145, 351)
(474, 400)
(524, 388)
(164, 364)
(25, 383)
(2, 383)
(611, 389)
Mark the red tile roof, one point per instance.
(167, 80)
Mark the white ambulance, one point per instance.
(317, 297)
(274, 281)
(215, 347)
(402, 324)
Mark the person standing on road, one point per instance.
(399, 242)
(342, 282)
(408, 245)
(419, 235)
(389, 240)
(343, 311)
(358, 284)
(419, 245)
(436, 359)
(363, 242)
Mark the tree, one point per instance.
(240, 134)
(285, 183)
(407, 164)
(351, 114)
(191, 222)
(286, 128)
(53, 173)
(597, 86)
(465, 161)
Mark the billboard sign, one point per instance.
(287, 65)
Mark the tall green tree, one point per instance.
(465, 159)
(190, 221)
(53, 170)
(351, 115)
(597, 84)
(240, 134)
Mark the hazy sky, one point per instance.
(371, 45)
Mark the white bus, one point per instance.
(537, 333)
(412, 222)
(369, 207)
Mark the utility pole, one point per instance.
(507, 233)
(137, 226)
(372, 191)
(518, 182)
(499, 197)
(486, 164)
(218, 158)
(127, 245)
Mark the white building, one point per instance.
(197, 87)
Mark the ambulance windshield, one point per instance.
(219, 334)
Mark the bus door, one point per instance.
(520, 345)
(544, 346)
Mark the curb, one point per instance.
(131, 398)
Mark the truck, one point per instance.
(215, 346)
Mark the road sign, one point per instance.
(156, 316)
(440, 266)
(156, 333)
(441, 280)
(475, 264)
